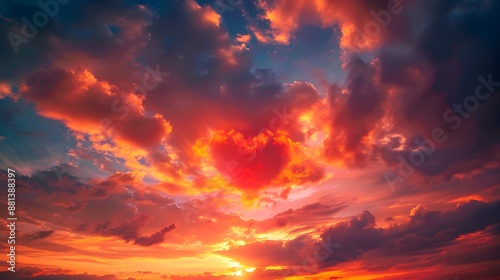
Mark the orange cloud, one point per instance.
(269, 159)
(243, 38)
(88, 105)
(5, 90)
(353, 18)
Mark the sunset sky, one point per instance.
(251, 139)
